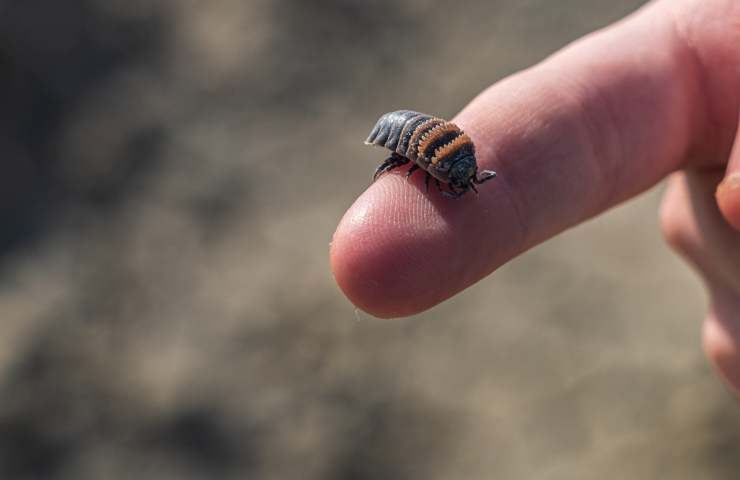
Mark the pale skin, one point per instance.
(655, 95)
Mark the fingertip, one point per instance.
(360, 275)
(348, 265)
(380, 257)
(728, 199)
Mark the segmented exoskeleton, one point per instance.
(437, 146)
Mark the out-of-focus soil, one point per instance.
(172, 174)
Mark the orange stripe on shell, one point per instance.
(436, 134)
(420, 131)
(450, 148)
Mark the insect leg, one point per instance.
(395, 160)
(411, 171)
(426, 182)
(398, 160)
(455, 193)
(381, 168)
(439, 185)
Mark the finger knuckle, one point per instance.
(722, 350)
(676, 229)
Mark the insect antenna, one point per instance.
(485, 175)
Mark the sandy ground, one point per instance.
(173, 173)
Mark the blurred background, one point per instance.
(172, 173)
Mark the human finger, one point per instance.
(588, 128)
(728, 192)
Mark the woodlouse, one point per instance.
(437, 146)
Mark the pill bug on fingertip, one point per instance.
(432, 144)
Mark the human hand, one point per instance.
(593, 125)
(694, 225)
